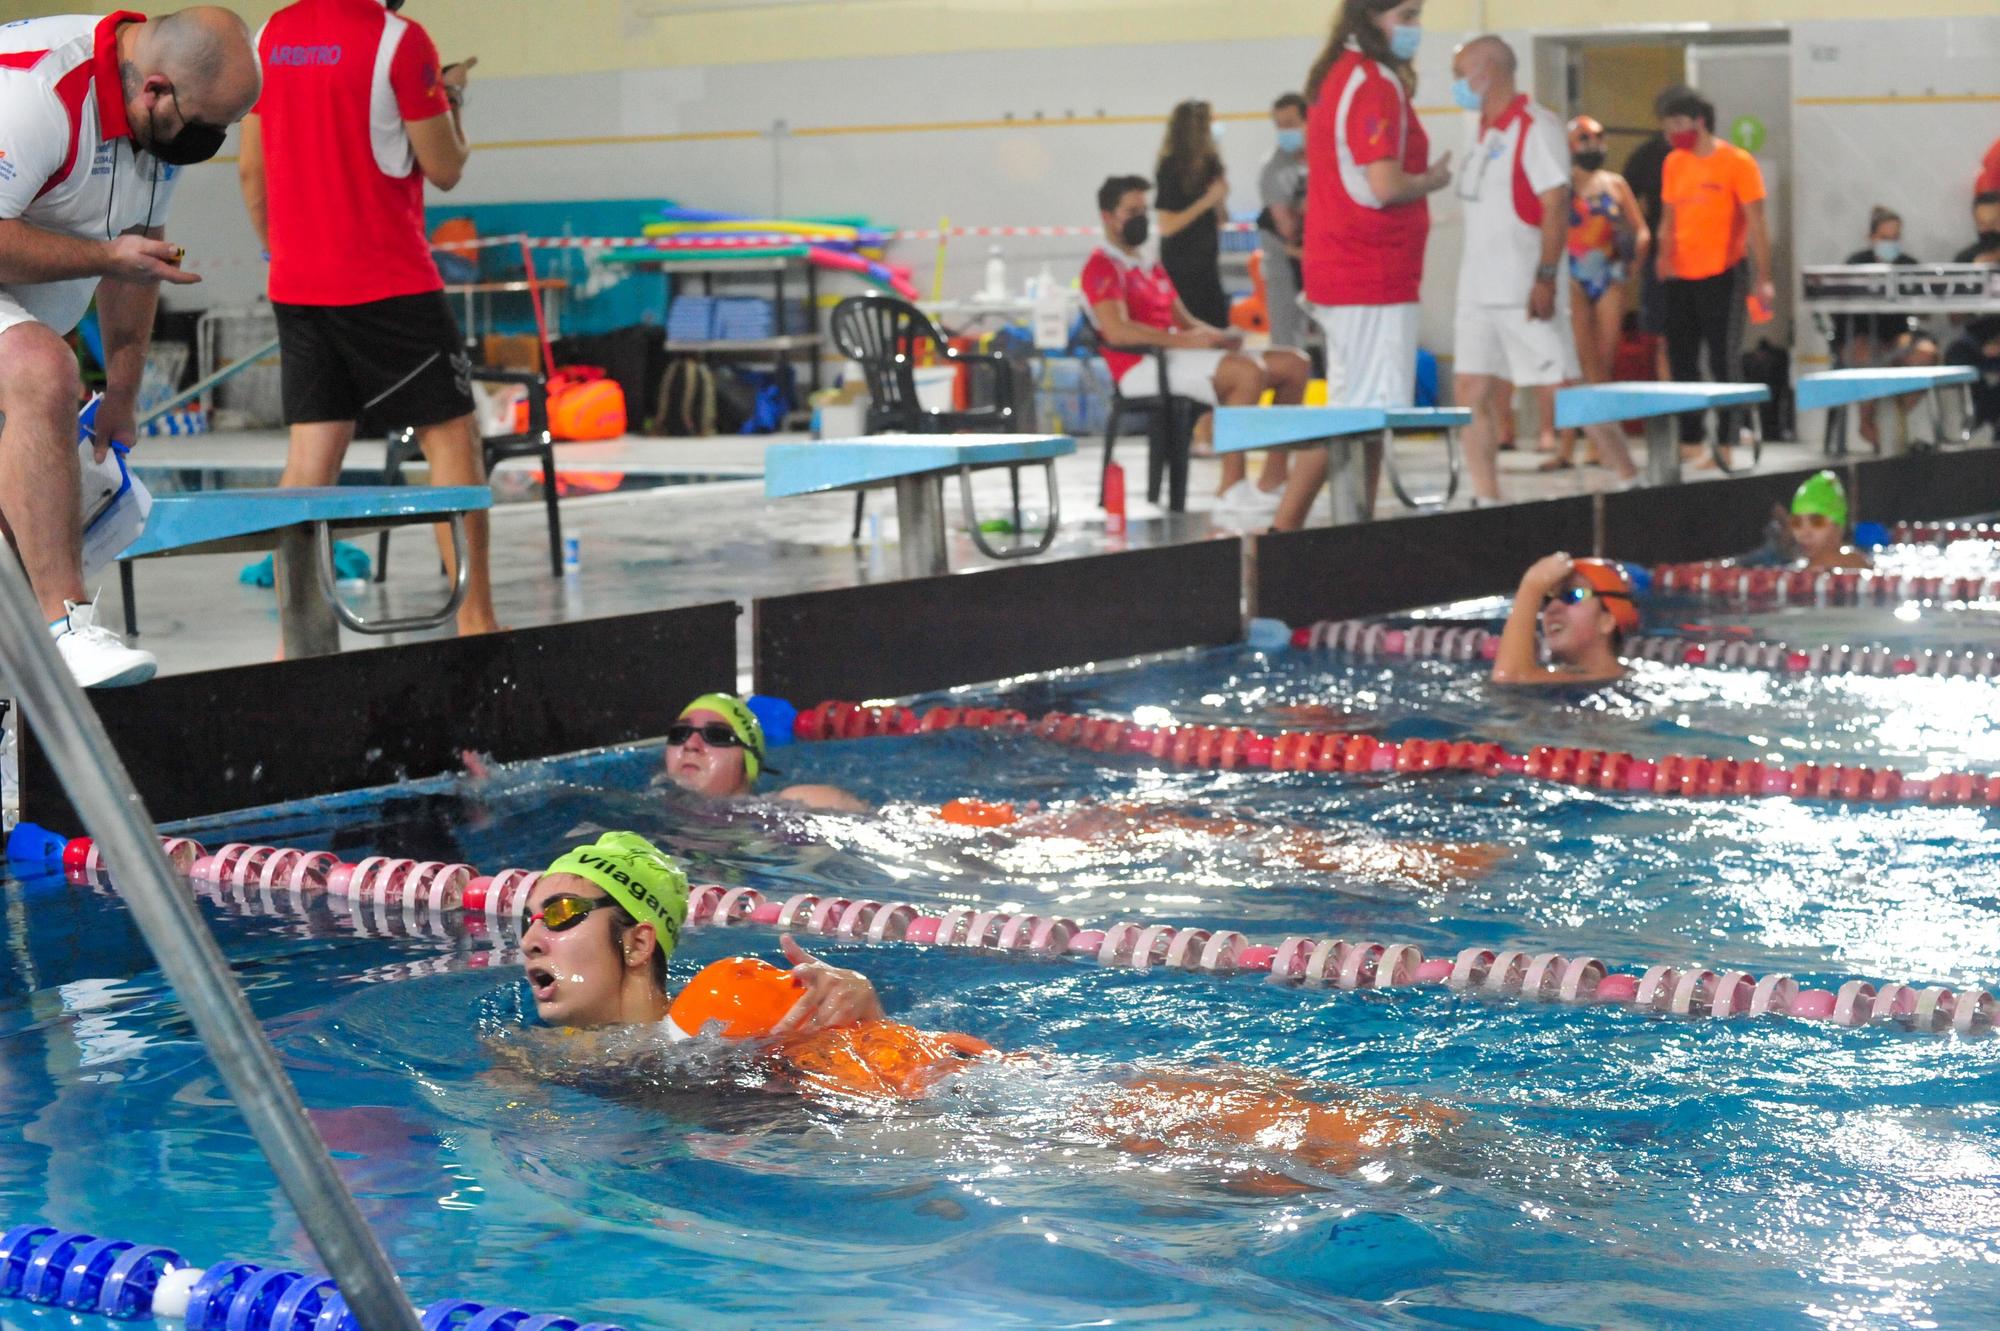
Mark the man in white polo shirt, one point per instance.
(1515, 188)
(97, 115)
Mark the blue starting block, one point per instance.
(1657, 404)
(1831, 390)
(300, 525)
(916, 466)
(1241, 429)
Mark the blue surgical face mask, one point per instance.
(1465, 97)
(1404, 39)
(1291, 140)
(1888, 251)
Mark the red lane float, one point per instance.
(1800, 587)
(378, 884)
(1684, 775)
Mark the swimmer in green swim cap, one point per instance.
(1819, 525)
(600, 924)
(717, 749)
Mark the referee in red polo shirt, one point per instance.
(354, 118)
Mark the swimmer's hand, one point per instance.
(136, 258)
(1547, 573)
(833, 997)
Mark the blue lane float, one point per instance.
(128, 1281)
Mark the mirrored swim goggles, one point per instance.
(715, 734)
(562, 912)
(1578, 595)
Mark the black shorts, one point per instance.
(387, 364)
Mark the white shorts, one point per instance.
(1190, 374)
(1371, 354)
(1503, 342)
(60, 305)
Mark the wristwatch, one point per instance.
(1545, 272)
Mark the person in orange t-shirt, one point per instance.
(1712, 196)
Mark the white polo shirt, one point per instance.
(67, 161)
(1510, 163)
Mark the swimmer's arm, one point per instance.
(831, 799)
(1628, 205)
(1514, 662)
(250, 176)
(832, 996)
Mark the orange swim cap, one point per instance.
(747, 996)
(977, 813)
(1613, 588)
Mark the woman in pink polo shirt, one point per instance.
(1368, 180)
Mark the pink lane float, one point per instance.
(1458, 642)
(1299, 960)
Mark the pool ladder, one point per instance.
(90, 771)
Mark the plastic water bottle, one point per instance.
(996, 274)
(572, 555)
(1114, 499)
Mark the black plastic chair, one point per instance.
(886, 337)
(535, 442)
(1169, 423)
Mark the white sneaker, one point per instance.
(1234, 498)
(97, 657)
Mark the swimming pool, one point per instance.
(1612, 1168)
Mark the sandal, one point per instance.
(1557, 463)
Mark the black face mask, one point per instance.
(1589, 161)
(1133, 231)
(194, 144)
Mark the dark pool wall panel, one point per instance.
(1706, 521)
(1929, 485)
(1346, 572)
(223, 740)
(904, 637)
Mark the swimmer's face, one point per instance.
(707, 769)
(1816, 535)
(576, 973)
(1569, 626)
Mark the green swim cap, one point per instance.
(639, 877)
(1822, 493)
(741, 720)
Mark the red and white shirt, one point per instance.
(1140, 282)
(1358, 250)
(67, 162)
(345, 200)
(1509, 164)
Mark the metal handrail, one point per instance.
(82, 756)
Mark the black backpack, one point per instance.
(687, 399)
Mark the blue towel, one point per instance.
(350, 564)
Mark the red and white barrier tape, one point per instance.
(1302, 960)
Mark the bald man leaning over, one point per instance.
(97, 117)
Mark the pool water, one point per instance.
(1609, 1168)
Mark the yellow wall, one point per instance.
(527, 37)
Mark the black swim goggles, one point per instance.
(563, 912)
(715, 734)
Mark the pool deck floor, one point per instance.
(683, 544)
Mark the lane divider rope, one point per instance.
(1457, 642)
(127, 1281)
(1229, 748)
(1299, 960)
(1799, 587)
